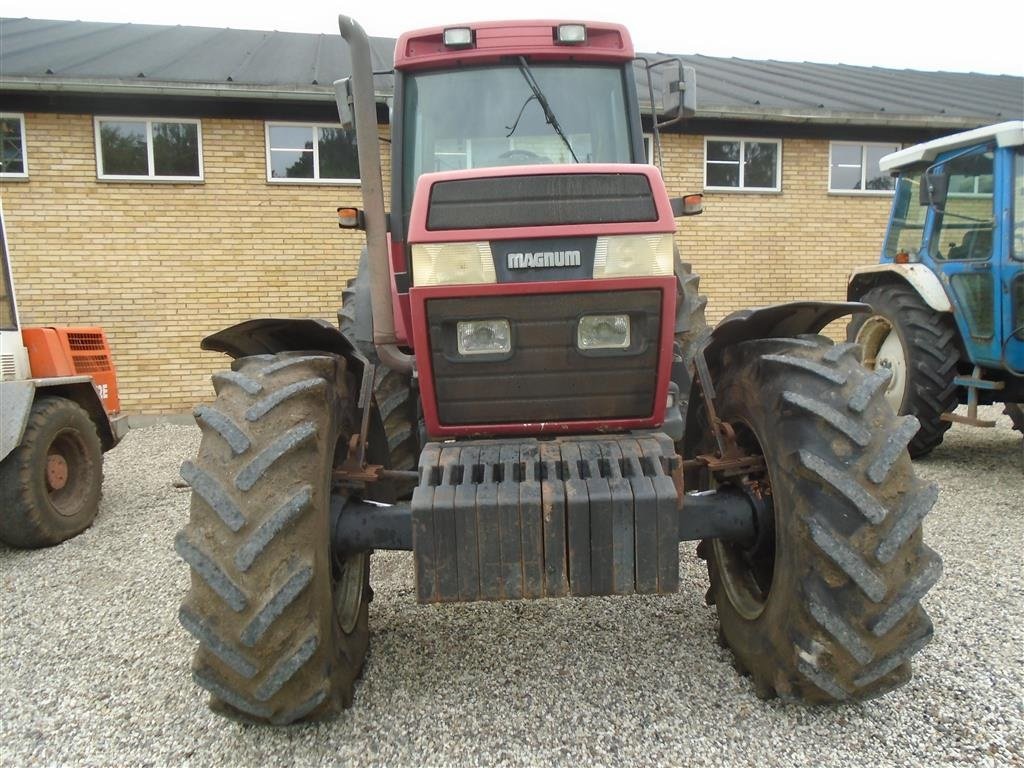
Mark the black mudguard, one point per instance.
(777, 321)
(270, 335)
(771, 322)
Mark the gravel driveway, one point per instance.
(94, 668)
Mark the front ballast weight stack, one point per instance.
(576, 516)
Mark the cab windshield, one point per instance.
(484, 117)
(906, 228)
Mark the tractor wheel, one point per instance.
(50, 484)
(1016, 413)
(394, 436)
(281, 621)
(824, 605)
(691, 325)
(918, 346)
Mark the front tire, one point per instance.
(918, 346)
(50, 484)
(281, 622)
(826, 606)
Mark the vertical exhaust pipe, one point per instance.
(372, 185)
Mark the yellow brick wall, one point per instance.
(754, 248)
(160, 265)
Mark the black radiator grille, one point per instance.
(519, 201)
(546, 378)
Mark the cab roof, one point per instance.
(1008, 134)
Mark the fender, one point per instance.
(16, 398)
(773, 321)
(917, 276)
(777, 321)
(269, 335)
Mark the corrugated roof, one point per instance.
(43, 55)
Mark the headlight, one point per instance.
(633, 255)
(603, 332)
(484, 337)
(452, 264)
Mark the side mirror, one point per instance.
(677, 89)
(934, 189)
(343, 99)
(688, 205)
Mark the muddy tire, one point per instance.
(919, 346)
(1016, 413)
(281, 624)
(827, 608)
(691, 325)
(394, 434)
(50, 484)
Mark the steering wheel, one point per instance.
(523, 157)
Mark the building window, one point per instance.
(13, 159)
(305, 152)
(131, 148)
(854, 168)
(746, 164)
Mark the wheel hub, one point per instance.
(884, 350)
(56, 472)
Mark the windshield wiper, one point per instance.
(549, 116)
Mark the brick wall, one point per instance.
(160, 265)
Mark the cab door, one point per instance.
(1010, 165)
(963, 245)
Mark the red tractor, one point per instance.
(524, 371)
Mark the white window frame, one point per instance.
(743, 141)
(24, 147)
(151, 175)
(271, 179)
(863, 167)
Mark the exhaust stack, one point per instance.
(367, 140)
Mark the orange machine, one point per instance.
(56, 352)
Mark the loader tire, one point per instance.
(825, 605)
(394, 435)
(1016, 413)
(923, 356)
(281, 621)
(50, 484)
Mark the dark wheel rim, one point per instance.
(67, 469)
(748, 569)
(347, 585)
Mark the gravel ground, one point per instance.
(95, 669)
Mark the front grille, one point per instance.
(85, 342)
(546, 378)
(87, 364)
(520, 201)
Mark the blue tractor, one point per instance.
(947, 297)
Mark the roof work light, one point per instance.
(571, 34)
(458, 37)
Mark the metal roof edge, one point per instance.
(111, 86)
(172, 88)
(827, 117)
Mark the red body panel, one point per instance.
(418, 232)
(56, 352)
(420, 296)
(425, 48)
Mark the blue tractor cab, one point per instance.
(948, 293)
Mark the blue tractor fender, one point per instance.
(16, 398)
(918, 276)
